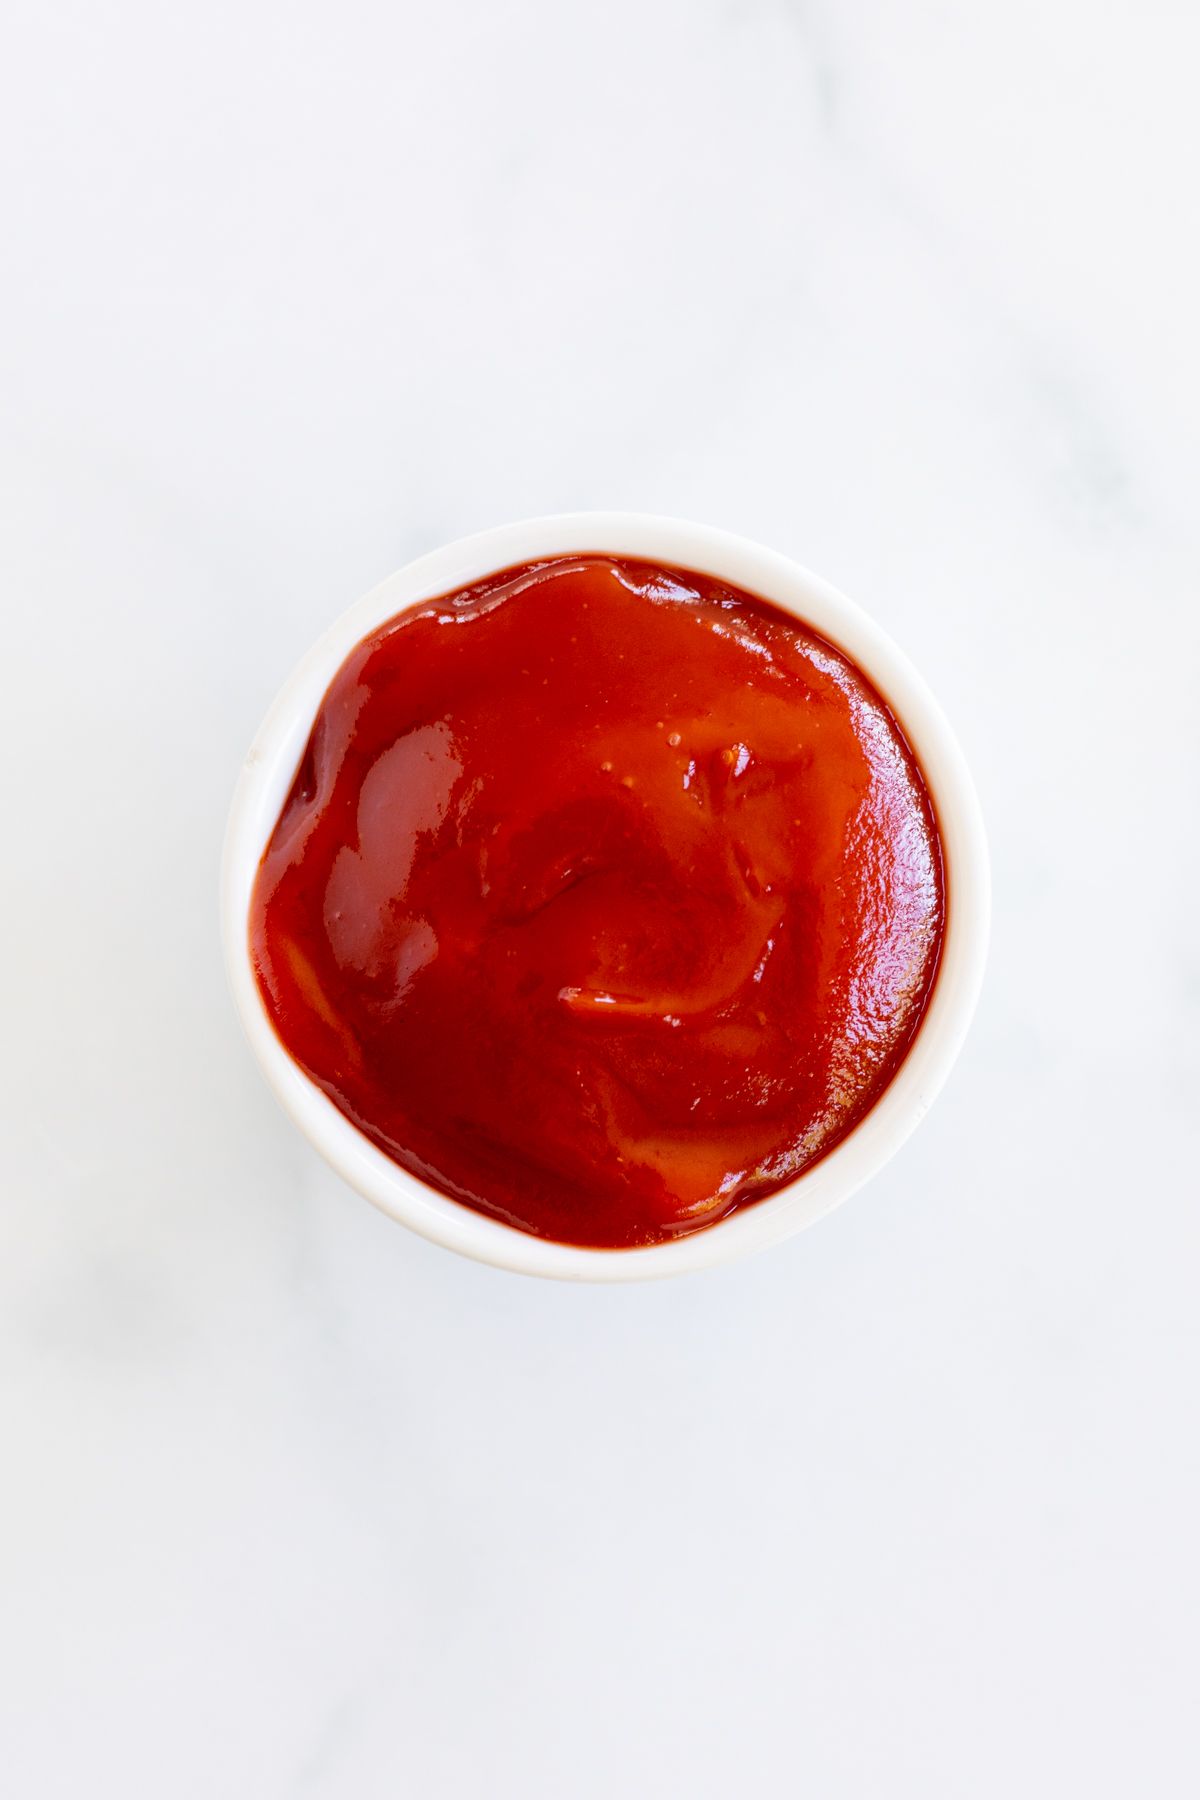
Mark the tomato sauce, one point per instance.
(607, 898)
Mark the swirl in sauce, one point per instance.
(607, 898)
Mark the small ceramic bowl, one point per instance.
(267, 777)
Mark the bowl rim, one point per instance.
(269, 768)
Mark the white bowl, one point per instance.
(271, 765)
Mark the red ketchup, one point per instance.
(606, 899)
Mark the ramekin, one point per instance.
(267, 776)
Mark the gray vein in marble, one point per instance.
(329, 1742)
(1094, 472)
(812, 22)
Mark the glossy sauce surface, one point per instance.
(606, 898)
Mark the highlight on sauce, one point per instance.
(607, 898)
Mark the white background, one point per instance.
(295, 1505)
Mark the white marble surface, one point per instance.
(295, 1505)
